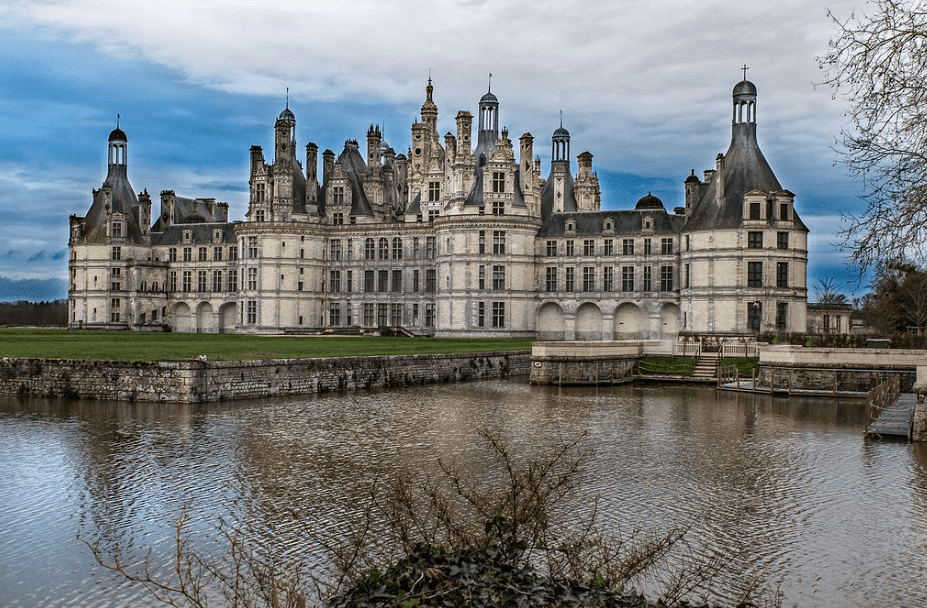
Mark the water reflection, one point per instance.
(790, 485)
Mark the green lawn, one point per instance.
(127, 346)
(745, 365)
(680, 366)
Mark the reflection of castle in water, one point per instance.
(453, 239)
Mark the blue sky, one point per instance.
(645, 88)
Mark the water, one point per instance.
(789, 486)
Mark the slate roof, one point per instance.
(124, 200)
(202, 233)
(191, 211)
(547, 192)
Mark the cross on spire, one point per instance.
(745, 68)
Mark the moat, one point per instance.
(791, 485)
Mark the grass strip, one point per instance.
(667, 365)
(128, 346)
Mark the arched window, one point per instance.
(384, 248)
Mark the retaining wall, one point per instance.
(598, 363)
(837, 369)
(203, 381)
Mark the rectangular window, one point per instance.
(334, 314)
(782, 274)
(482, 242)
(259, 192)
(217, 254)
(187, 280)
(430, 280)
(608, 278)
(117, 230)
(252, 279)
(782, 240)
(754, 240)
(627, 278)
(252, 247)
(482, 277)
(431, 247)
(201, 280)
(349, 282)
(432, 214)
(782, 316)
(648, 246)
(397, 281)
(252, 311)
(498, 241)
(498, 181)
(397, 248)
(481, 314)
(429, 315)
(334, 281)
(232, 280)
(334, 249)
(498, 277)
(647, 278)
(233, 253)
(395, 315)
(570, 248)
(172, 281)
(498, 207)
(349, 253)
(498, 314)
(382, 314)
(588, 247)
(755, 211)
(415, 248)
(568, 278)
(338, 219)
(337, 195)
(369, 249)
(117, 253)
(784, 212)
(666, 278)
(754, 315)
(666, 246)
(754, 274)
(348, 319)
(115, 279)
(627, 246)
(415, 281)
(686, 283)
(588, 278)
(383, 281)
(187, 254)
(217, 280)
(201, 254)
(172, 254)
(551, 278)
(115, 307)
(434, 191)
(551, 250)
(415, 314)
(608, 247)
(368, 314)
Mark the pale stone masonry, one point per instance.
(458, 236)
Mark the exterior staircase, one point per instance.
(706, 368)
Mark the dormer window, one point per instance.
(259, 215)
(337, 195)
(784, 212)
(755, 210)
(217, 236)
(116, 229)
(259, 192)
(570, 226)
(608, 224)
(187, 236)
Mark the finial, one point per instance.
(745, 68)
(288, 98)
(489, 89)
(561, 119)
(117, 120)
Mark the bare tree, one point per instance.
(827, 292)
(878, 63)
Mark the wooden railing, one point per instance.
(743, 349)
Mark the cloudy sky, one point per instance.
(645, 86)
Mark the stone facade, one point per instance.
(459, 236)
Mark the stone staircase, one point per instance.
(706, 367)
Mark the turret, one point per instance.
(374, 138)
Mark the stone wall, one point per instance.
(598, 363)
(202, 381)
(836, 369)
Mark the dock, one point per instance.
(894, 420)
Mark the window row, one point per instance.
(380, 314)
(755, 320)
(608, 247)
(202, 253)
(230, 283)
(568, 280)
(755, 240)
(755, 274)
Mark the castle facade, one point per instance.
(459, 236)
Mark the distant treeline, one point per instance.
(34, 313)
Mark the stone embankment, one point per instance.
(204, 381)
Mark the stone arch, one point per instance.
(205, 321)
(182, 318)
(227, 314)
(550, 322)
(670, 316)
(629, 322)
(588, 322)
